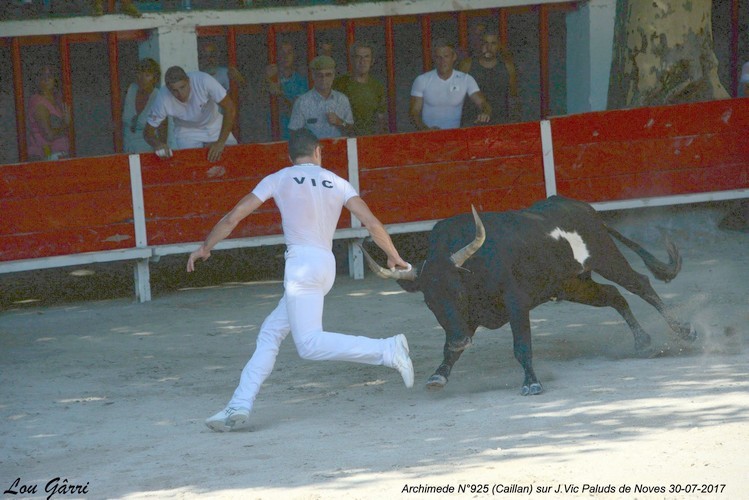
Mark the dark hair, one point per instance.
(175, 74)
(148, 65)
(443, 42)
(363, 44)
(302, 142)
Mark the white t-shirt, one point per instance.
(443, 99)
(310, 199)
(199, 116)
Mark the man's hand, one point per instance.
(214, 152)
(485, 109)
(400, 263)
(164, 152)
(336, 120)
(201, 253)
(340, 124)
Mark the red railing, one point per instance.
(647, 152)
(85, 205)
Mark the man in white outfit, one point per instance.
(193, 100)
(437, 96)
(310, 199)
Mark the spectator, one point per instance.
(223, 74)
(138, 102)
(286, 83)
(493, 68)
(474, 42)
(322, 110)
(365, 93)
(437, 96)
(325, 47)
(48, 119)
(193, 100)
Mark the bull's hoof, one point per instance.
(532, 390)
(689, 336)
(436, 382)
(459, 344)
(685, 331)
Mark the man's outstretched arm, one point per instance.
(379, 234)
(223, 228)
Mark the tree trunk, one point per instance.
(663, 54)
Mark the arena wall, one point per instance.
(139, 207)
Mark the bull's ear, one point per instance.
(410, 286)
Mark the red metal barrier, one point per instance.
(85, 205)
(648, 152)
(186, 195)
(436, 174)
(66, 207)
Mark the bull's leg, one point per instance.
(520, 323)
(588, 292)
(615, 267)
(439, 379)
(459, 343)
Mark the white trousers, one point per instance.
(308, 276)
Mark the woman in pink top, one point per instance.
(48, 120)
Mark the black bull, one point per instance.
(493, 269)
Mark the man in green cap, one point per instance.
(322, 110)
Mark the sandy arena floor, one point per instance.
(109, 396)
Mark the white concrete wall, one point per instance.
(590, 42)
(282, 14)
(172, 46)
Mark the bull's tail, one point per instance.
(661, 270)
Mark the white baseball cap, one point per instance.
(745, 73)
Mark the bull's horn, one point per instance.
(465, 253)
(397, 274)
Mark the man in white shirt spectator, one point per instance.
(437, 96)
(193, 101)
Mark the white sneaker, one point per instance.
(228, 419)
(402, 362)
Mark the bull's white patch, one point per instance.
(579, 249)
